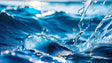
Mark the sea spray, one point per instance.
(90, 41)
(87, 3)
(100, 24)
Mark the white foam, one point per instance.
(26, 3)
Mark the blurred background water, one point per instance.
(50, 32)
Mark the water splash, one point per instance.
(90, 43)
(87, 3)
(100, 24)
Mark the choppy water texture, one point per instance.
(56, 33)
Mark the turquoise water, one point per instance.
(51, 34)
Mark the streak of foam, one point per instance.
(45, 13)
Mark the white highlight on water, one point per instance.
(22, 3)
(45, 13)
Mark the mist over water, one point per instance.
(59, 32)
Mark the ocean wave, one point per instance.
(49, 36)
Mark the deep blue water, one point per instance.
(28, 35)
